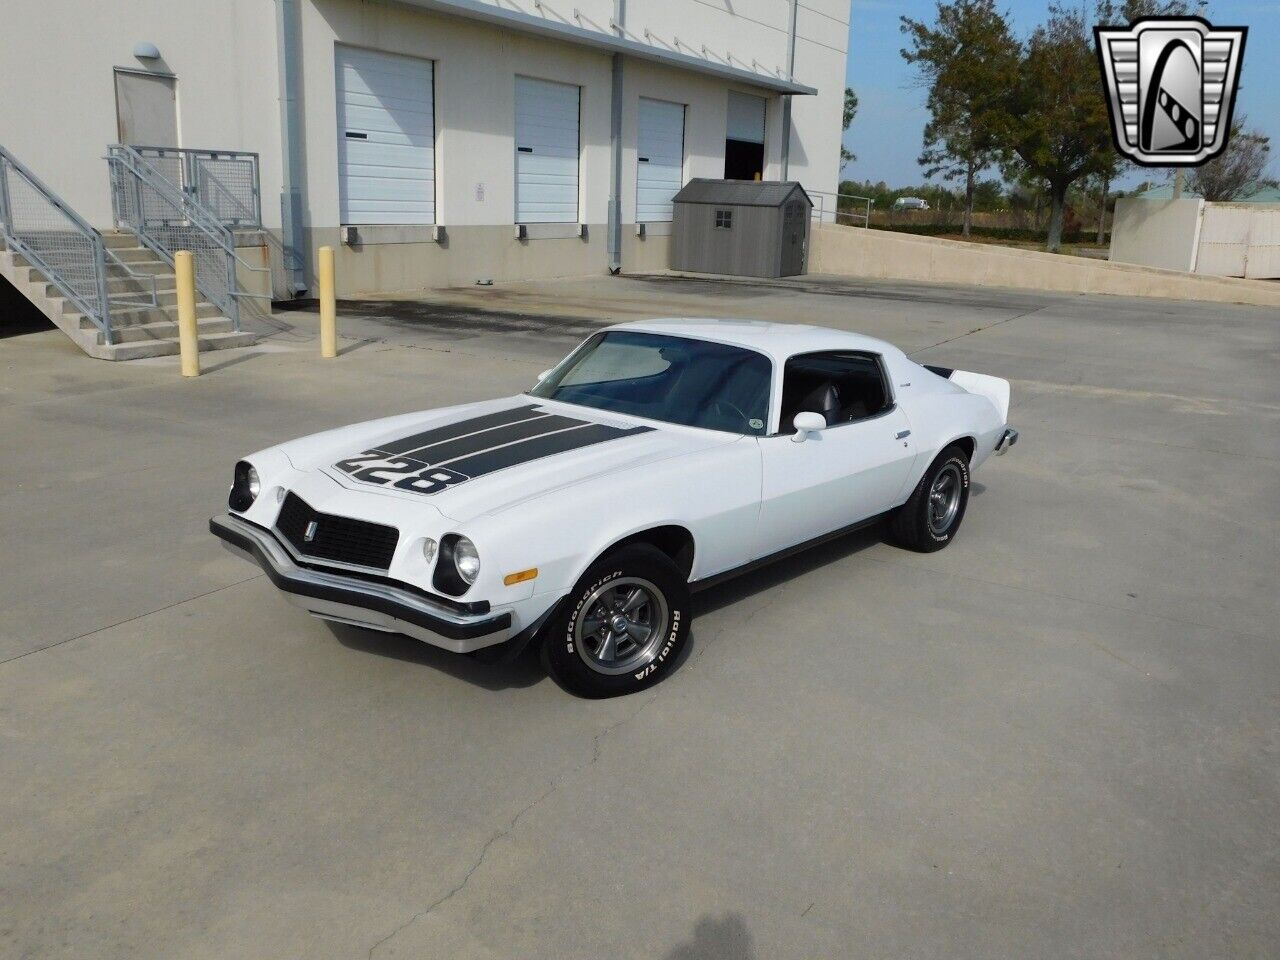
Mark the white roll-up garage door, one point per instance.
(386, 138)
(659, 158)
(746, 117)
(546, 151)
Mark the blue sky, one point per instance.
(886, 133)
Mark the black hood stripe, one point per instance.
(536, 448)
(463, 427)
(447, 450)
(435, 460)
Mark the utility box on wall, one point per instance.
(745, 228)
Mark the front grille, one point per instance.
(340, 539)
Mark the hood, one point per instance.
(486, 457)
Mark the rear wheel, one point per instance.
(930, 518)
(623, 626)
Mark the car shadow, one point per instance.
(781, 571)
(524, 671)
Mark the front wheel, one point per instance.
(930, 518)
(623, 626)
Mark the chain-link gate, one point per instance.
(148, 198)
(223, 182)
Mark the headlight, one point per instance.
(466, 559)
(245, 487)
(458, 566)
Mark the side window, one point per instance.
(843, 387)
(724, 219)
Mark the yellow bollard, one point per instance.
(188, 332)
(328, 306)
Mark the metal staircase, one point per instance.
(113, 294)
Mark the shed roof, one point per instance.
(742, 193)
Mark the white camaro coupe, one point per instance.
(657, 458)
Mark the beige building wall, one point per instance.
(58, 111)
(59, 114)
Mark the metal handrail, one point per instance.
(134, 197)
(96, 306)
(196, 180)
(820, 212)
(194, 202)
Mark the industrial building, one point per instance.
(433, 142)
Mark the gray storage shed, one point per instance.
(748, 228)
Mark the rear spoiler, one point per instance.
(993, 388)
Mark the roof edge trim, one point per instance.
(542, 27)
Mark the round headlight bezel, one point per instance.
(246, 485)
(447, 577)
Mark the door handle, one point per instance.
(903, 434)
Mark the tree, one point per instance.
(1239, 170)
(850, 111)
(1118, 13)
(1056, 126)
(967, 58)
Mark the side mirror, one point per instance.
(807, 423)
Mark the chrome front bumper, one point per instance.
(364, 603)
(1007, 440)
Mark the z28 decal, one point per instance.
(437, 459)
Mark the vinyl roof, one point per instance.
(742, 193)
(490, 12)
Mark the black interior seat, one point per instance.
(841, 387)
(823, 399)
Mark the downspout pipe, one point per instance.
(615, 171)
(289, 55)
(786, 100)
(615, 142)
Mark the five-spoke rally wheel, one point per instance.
(622, 627)
(930, 518)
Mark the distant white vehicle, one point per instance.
(658, 458)
(911, 203)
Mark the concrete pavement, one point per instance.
(1059, 737)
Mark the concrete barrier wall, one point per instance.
(1213, 239)
(1156, 233)
(881, 254)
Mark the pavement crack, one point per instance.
(120, 623)
(466, 879)
(596, 748)
(969, 333)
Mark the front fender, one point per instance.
(714, 494)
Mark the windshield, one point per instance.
(696, 383)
